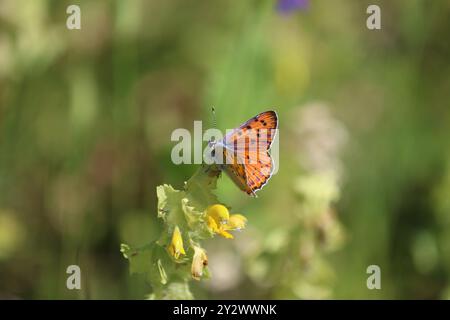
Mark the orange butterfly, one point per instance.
(246, 152)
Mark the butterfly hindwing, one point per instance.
(257, 175)
(235, 170)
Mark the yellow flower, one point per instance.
(176, 246)
(236, 222)
(225, 233)
(212, 224)
(220, 221)
(199, 261)
(219, 213)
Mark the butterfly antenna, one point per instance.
(213, 114)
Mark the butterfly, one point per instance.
(243, 154)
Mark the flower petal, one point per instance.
(176, 245)
(212, 224)
(218, 212)
(225, 234)
(236, 222)
(199, 261)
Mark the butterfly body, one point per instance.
(243, 154)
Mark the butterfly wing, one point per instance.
(265, 122)
(258, 174)
(245, 152)
(238, 175)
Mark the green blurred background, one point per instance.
(364, 177)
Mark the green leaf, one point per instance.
(140, 258)
(196, 221)
(186, 208)
(173, 291)
(200, 186)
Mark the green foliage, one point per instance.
(183, 210)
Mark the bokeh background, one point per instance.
(364, 176)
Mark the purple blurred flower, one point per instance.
(287, 6)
